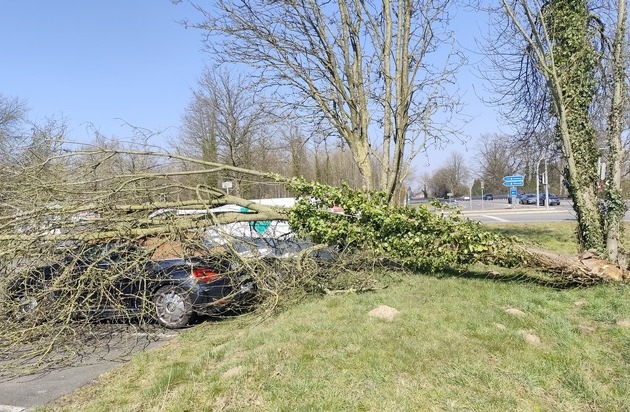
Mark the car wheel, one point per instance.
(173, 307)
(26, 305)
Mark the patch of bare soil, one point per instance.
(383, 312)
(515, 312)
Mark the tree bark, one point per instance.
(614, 198)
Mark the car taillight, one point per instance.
(205, 275)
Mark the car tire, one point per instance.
(39, 306)
(25, 306)
(173, 307)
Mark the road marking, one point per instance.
(9, 408)
(498, 219)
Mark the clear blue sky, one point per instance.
(100, 61)
(106, 62)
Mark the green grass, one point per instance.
(558, 236)
(452, 347)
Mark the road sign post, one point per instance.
(513, 194)
(512, 182)
(516, 180)
(227, 186)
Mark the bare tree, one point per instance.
(616, 126)
(199, 133)
(377, 72)
(13, 121)
(26, 150)
(451, 178)
(227, 121)
(12, 113)
(496, 160)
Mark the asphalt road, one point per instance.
(505, 213)
(499, 211)
(27, 392)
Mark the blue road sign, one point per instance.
(516, 180)
(513, 192)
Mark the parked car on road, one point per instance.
(518, 198)
(448, 201)
(488, 196)
(119, 280)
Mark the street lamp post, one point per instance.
(545, 183)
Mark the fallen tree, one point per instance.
(416, 238)
(423, 240)
(370, 232)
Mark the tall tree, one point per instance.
(497, 159)
(199, 133)
(13, 119)
(451, 178)
(562, 45)
(376, 71)
(617, 118)
(227, 121)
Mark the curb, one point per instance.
(511, 210)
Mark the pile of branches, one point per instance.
(51, 219)
(59, 305)
(426, 239)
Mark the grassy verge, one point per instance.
(558, 236)
(460, 342)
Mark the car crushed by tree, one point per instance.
(119, 280)
(360, 227)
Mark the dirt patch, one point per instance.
(624, 323)
(384, 312)
(515, 312)
(232, 372)
(530, 338)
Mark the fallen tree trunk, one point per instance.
(416, 238)
(585, 269)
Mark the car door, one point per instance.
(111, 279)
(127, 265)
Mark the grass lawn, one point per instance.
(461, 341)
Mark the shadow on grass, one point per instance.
(515, 276)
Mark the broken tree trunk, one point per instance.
(584, 269)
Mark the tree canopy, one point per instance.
(375, 74)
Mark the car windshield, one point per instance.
(104, 252)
